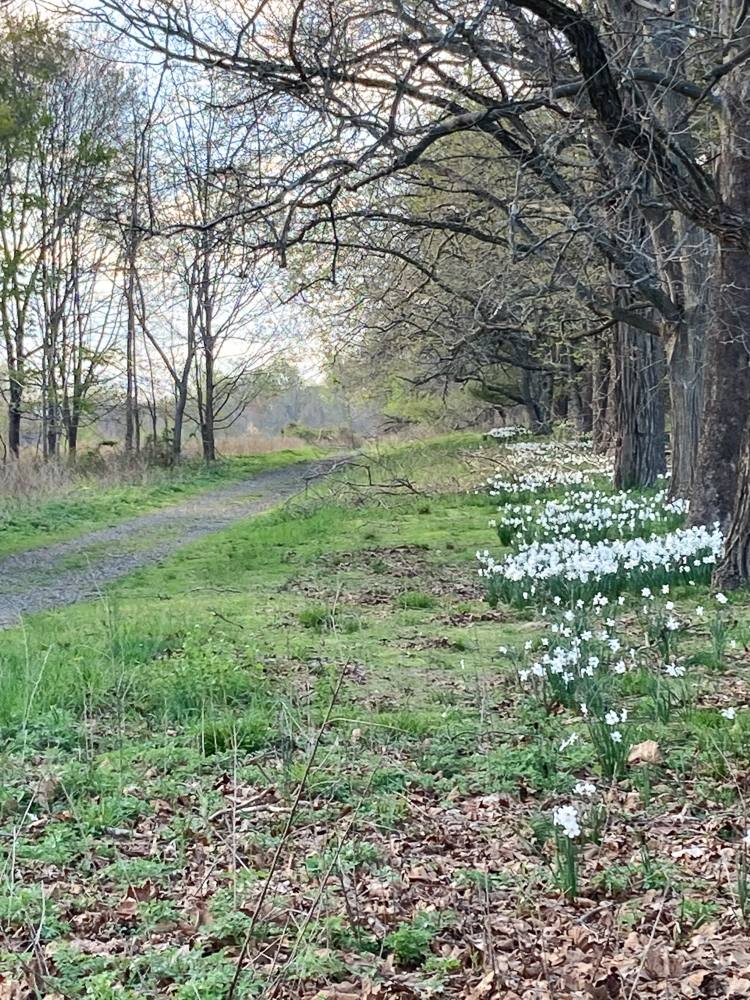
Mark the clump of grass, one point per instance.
(415, 600)
(246, 734)
(323, 619)
(317, 618)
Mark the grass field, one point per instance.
(50, 511)
(297, 757)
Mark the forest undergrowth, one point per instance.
(331, 751)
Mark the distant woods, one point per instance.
(119, 291)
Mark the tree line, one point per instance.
(117, 285)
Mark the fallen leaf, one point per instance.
(12, 990)
(141, 893)
(127, 908)
(483, 987)
(645, 753)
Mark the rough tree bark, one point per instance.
(726, 418)
(685, 345)
(580, 397)
(640, 453)
(537, 389)
(727, 354)
(602, 398)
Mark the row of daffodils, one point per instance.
(604, 571)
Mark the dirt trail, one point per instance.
(72, 571)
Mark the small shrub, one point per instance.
(410, 943)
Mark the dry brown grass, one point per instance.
(34, 480)
(249, 444)
(30, 478)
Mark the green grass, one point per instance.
(135, 730)
(27, 522)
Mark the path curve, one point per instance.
(38, 579)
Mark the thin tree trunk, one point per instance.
(132, 423)
(15, 398)
(179, 417)
(537, 388)
(602, 396)
(207, 426)
(208, 429)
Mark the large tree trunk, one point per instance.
(734, 569)
(580, 398)
(726, 420)
(727, 390)
(727, 355)
(640, 453)
(686, 394)
(73, 436)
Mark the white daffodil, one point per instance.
(567, 818)
(584, 788)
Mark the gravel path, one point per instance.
(72, 571)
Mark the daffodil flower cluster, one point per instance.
(536, 482)
(590, 514)
(569, 568)
(506, 433)
(534, 467)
